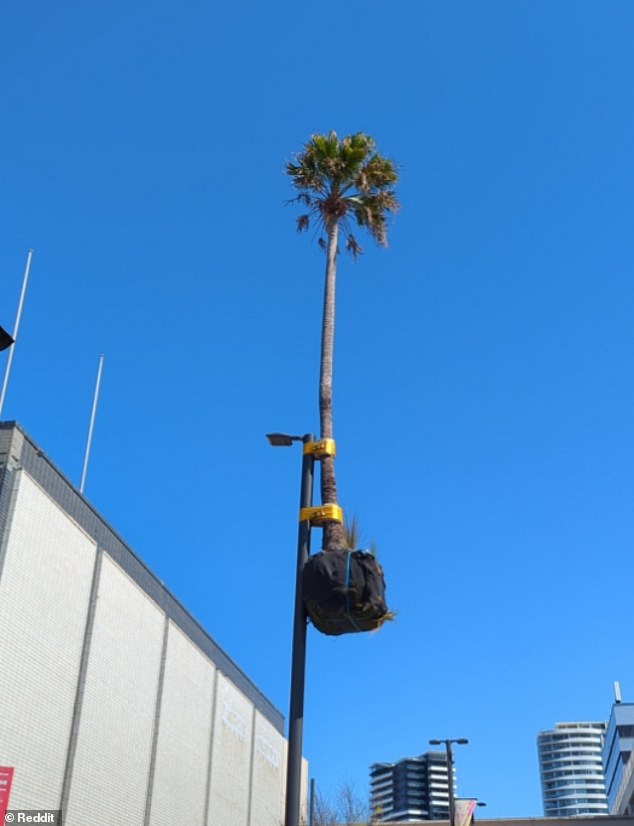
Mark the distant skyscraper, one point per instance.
(571, 769)
(618, 757)
(415, 788)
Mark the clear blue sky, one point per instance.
(484, 376)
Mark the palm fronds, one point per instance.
(338, 180)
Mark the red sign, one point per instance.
(6, 776)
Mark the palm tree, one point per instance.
(338, 182)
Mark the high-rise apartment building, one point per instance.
(618, 757)
(415, 788)
(571, 769)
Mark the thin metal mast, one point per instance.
(7, 369)
(91, 426)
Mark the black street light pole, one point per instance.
(298, 657)
(452, 800)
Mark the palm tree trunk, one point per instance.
(333, 533)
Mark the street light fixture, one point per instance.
(298, 657)
(461, 741)
(5, 339)
(282, 439)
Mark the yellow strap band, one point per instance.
(324, 447)
(321, 514)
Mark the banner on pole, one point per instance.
(6, 778)
(465, 808)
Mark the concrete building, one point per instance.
(413, 789)
(117, 707)
(571, 769)
(618, 757)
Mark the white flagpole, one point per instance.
(7, 369)
(92, 424)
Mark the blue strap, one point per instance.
(348, 592)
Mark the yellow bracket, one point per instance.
(321, 514)
(324, 447)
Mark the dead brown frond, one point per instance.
(352, 247)
(352, 533)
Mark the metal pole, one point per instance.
(452, 802)
(298, 661)
(91, 425)
(7, 369)
(311, 804)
